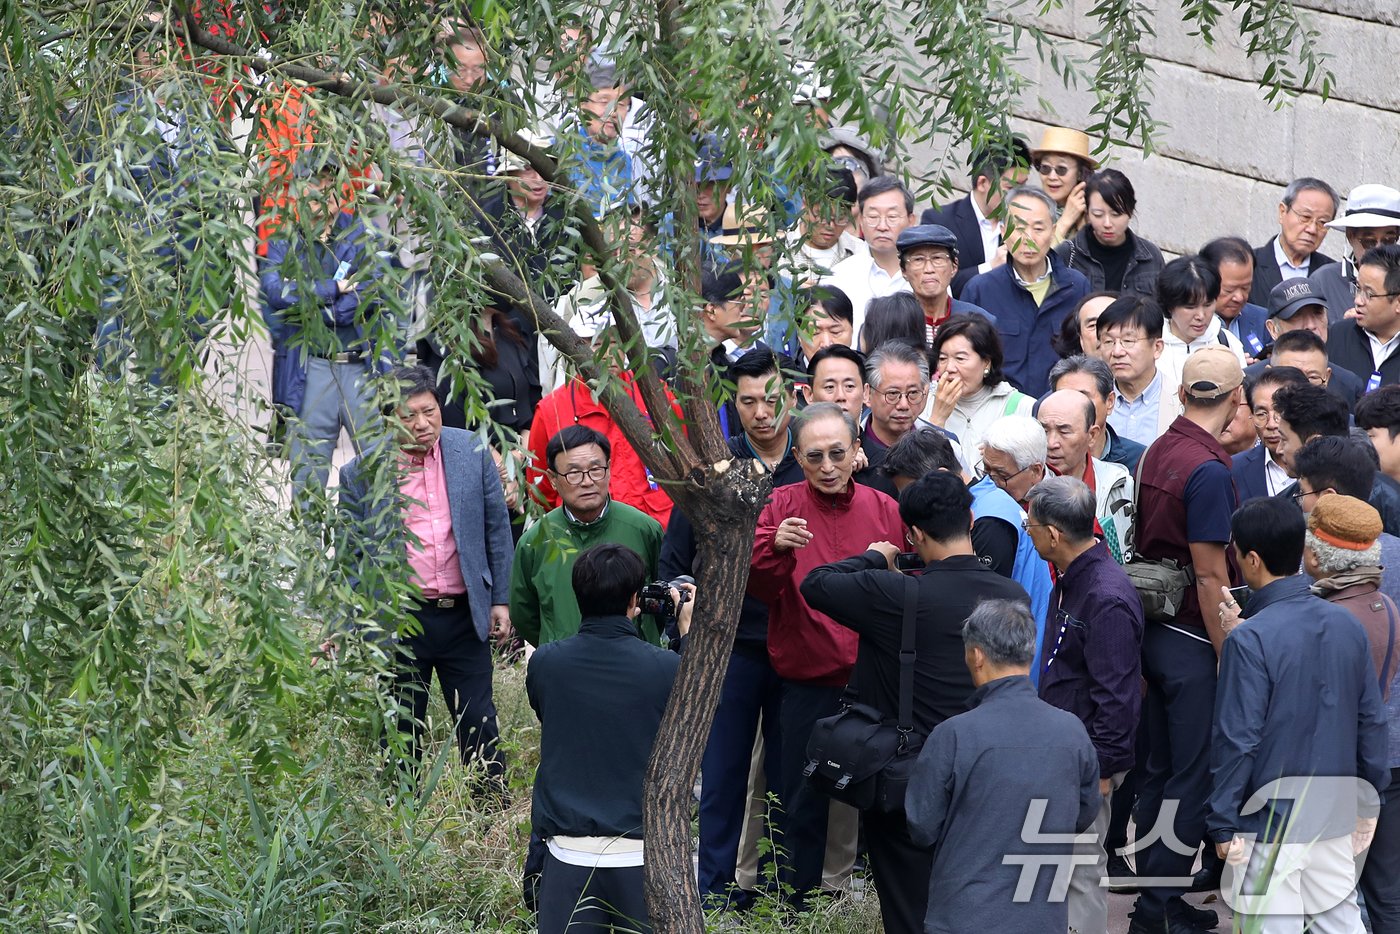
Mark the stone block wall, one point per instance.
(1223, 154)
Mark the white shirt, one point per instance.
(1276, 479)
(1287, 269)
(1381, 350)
(991, 235)
(862, 279)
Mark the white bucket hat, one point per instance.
(1370, 206)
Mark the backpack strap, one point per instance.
(1386, 676)
(906, 657)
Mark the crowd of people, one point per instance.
(1150, 508)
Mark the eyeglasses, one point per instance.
(1001, 479)
(1263, 417)
(936, 261)
(1027, 525)
(1127, 343)
(575, 477)
(893, 219)
(1298, 497)
(1045, 168)
(1311, 220)
(1370, 296)
(835, 455)
(892, 396)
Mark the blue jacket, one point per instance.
(1030, 569)
(1247, 467)
(1249, 321)
(1297, 699)
(978, 777)
(321, 319)
(1120, 450)
(1026, 330)
(601, 171)
(480, 520)
(1091, 658)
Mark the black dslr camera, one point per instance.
(655, 598)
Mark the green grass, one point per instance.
(329, 846)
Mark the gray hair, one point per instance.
(1083, 363)
(818, 411)
(1065, 503)
(1004, 630)
(1307, 183)
(1026, 191)
(895, 351)
(1020, 437)
(1333, 560)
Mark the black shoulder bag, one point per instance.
(858, 757)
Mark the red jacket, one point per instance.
(573, 404)
(805, 645)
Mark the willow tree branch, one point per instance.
(673, 462)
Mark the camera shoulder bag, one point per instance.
(1161, 583)
(857, 756)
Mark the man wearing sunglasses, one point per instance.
(805, 525)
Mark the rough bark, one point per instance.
(724, 512)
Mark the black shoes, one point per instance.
(1182, 918)
(1121, 877)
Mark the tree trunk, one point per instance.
(724, 514)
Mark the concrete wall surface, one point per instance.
(1224, 154)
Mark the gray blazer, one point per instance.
(480, 520)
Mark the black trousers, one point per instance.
(449, 646)
(1178, 710)
(1380, 877)
(805, 810)
(902, 871)
(581, 900)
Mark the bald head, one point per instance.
(1068, 417)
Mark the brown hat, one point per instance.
(1211, 372)
(1066, 142)
(1345, 521)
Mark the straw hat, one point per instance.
(1065, 142)
(743, 225)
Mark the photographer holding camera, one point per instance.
(588, 790)
(866, 594)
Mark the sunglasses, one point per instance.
(1060, 170)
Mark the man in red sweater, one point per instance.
(805, 525)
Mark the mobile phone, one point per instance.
(907, 561)
(1240, 594)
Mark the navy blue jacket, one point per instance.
(969, 798)
(961, 218)
(1026, 330)
(1247, 467)
(1249, 321)
(1120, 450)
(599, 696)
(1267, 275)
(306, 313)
(1091, 656)
(1297, 699)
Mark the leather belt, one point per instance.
(441, 603)
(350, 356)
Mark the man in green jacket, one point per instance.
(542, 604)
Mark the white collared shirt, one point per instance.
(1381, 350)
(861, 279)
(991, 235)
(1287, 269)
(1276, 479)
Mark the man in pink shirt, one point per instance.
(442, 488)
